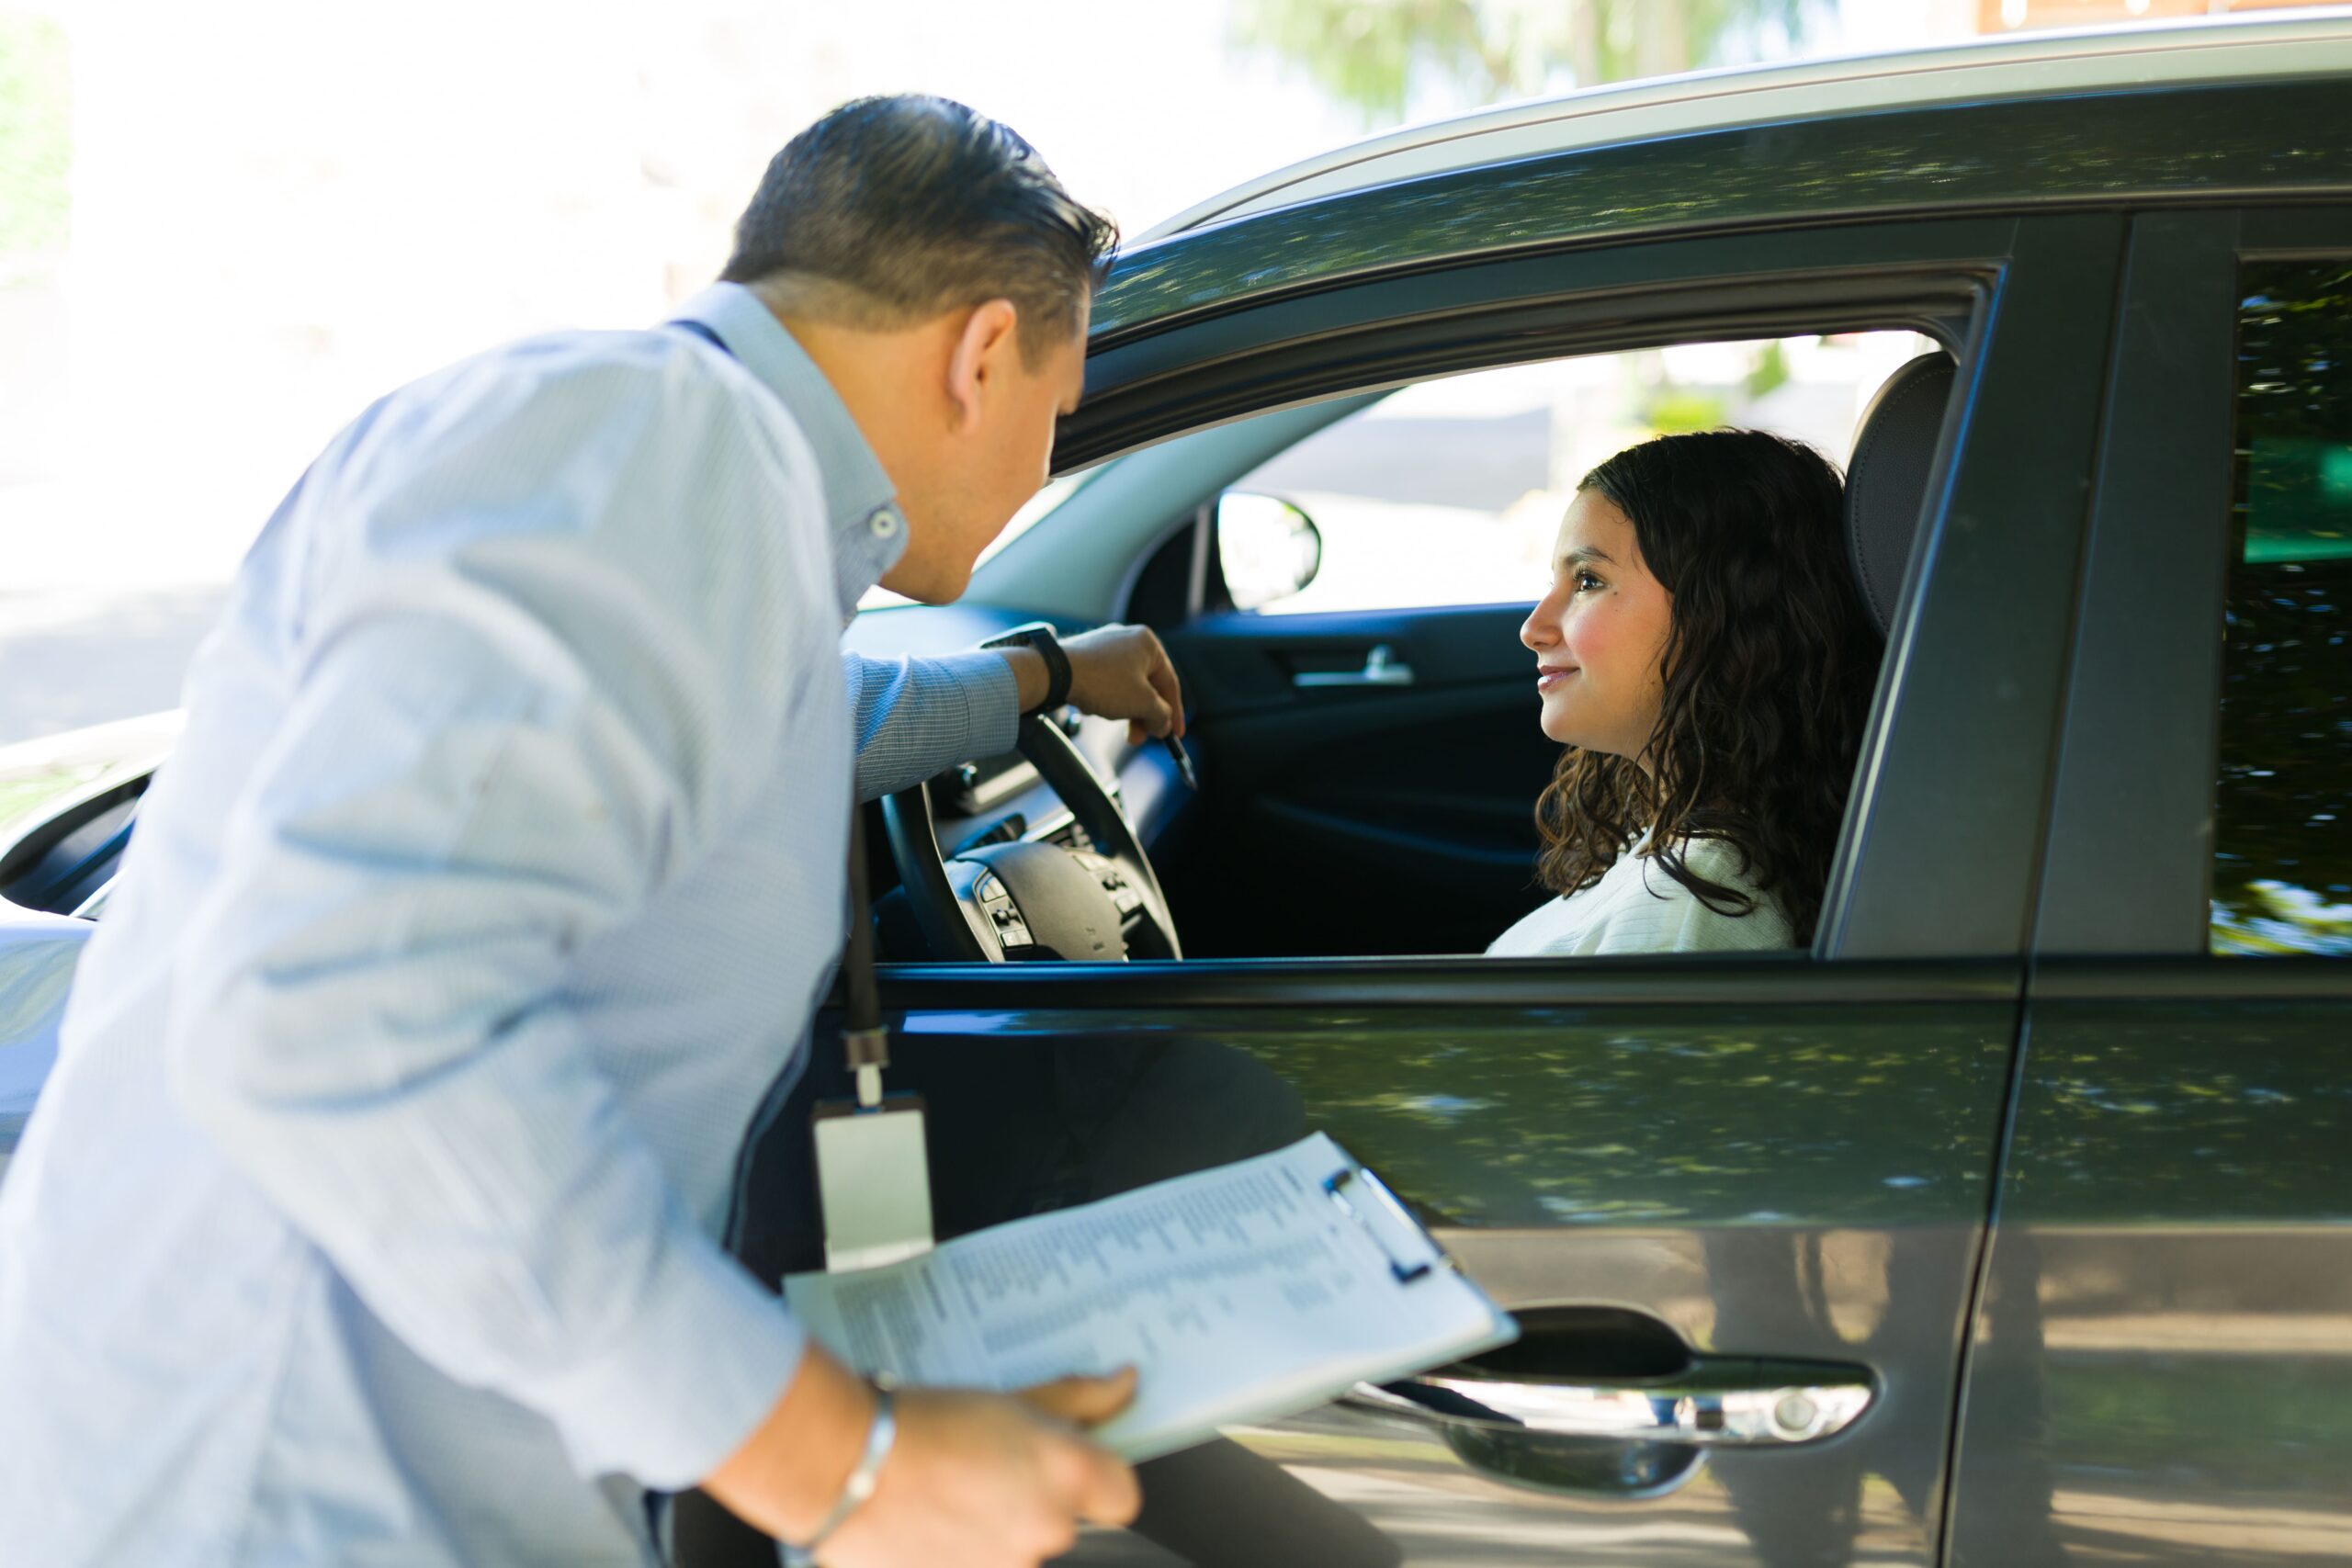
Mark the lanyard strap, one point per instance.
(865, 1040)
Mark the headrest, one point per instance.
(1887, 479)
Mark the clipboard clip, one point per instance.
(1386, 1221)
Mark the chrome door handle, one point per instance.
(1762, 1406)
(1381, 667)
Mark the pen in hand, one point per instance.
(1184, 762)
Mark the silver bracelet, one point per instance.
(857, 1488)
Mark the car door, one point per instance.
(2162, 1356)
(1765, 1174)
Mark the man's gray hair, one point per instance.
(891, 210)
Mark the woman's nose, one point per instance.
(1537, 633)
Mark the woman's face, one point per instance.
(1600, 635)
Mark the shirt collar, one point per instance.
(869, 533)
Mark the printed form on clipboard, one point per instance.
(1243, 1294)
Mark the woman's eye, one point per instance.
(1585, 581)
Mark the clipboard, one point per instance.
(1243, 1294)
(1412, 1252)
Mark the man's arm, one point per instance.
(513, 708)
(912, 717)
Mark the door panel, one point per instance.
(2163, 1358)
(1346, 815)
(1750, 1158)
(2161, 1363)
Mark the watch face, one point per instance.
(1022, 637)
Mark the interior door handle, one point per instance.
(1719, 1405)
(1381, 667)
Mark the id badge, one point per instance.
(874, 1182)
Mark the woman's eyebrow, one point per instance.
(1582, 554)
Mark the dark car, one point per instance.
(2009, 1223)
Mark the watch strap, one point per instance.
(1040, 635)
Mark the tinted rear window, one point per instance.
(2282, 872)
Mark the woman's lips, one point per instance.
(1548, 677)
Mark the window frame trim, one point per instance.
(2129, 867)
(1943, 857)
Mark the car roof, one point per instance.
(2244, 49)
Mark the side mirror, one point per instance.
(1266, 548)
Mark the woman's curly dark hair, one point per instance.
(1767, 669)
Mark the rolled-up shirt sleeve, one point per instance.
(505, 739)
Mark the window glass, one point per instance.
(1450, 491)
(2282, 873)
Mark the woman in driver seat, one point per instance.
(1705, 656)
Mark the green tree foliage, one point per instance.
(2282, 878)
(1675, 411)
(36, 139)
(1378, 56)
(1770, 373)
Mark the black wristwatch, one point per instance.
(1040, 635)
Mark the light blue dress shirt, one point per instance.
(371, 1212)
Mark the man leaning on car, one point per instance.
(371, 1212)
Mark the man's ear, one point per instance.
(979, 352)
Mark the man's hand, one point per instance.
(1115, 672)
(979, 1478)
(983, 1479)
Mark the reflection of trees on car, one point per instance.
(1924, 158)
(1615, 1117)
(1374, 57)
(2282, 876)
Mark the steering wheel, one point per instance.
(1020, 901)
